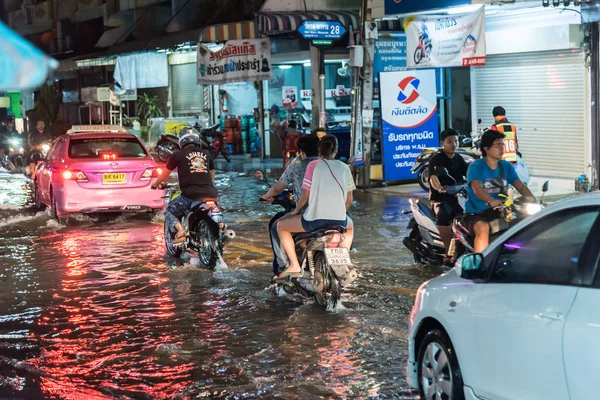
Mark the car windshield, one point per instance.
(106, 148)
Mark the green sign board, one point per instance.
(322, 42)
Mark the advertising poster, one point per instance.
(409, 119)
(446, 40)
(289, 96)
(236, 61)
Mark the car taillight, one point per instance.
(75, 176)
(150, 173)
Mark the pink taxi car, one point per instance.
(98, 168)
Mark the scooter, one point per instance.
(424, 240)
(327, 267)
(205, 230)
(423, 50)
(421, 167)
(214, 141)
(511, 212)
(14, 161)
(167, 144)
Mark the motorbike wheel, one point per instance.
(324, 279)
(171, 249)
(164, 155)
(424, 178)
(207, 253)
(418, 55)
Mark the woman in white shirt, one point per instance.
(327, 188)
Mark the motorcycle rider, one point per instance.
(36, 140)
(293, 175)
(327, 189)
(446, 206)
(502, 125)
(196, 172)
(6, 132)
(484, 197)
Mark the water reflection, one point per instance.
(95, 310)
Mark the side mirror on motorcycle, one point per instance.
(499, 183)
(546, 186)
(470, 266)
(441, 171)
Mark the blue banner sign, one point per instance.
(322, 30)
(409, 120)
(395, 7)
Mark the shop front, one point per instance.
(534, 67)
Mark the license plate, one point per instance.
(109, 179)
(338, 256)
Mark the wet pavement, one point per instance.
(94, 309)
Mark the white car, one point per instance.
(521, 320)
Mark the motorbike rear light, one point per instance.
(334, 240)
(75, 176)
(210, 203)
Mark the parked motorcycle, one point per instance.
(206, 232)
(424, 240)
(423, 50)
(327, 267)
(212, 140)
(421, 167)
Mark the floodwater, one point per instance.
(94, 309)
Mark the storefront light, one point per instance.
(285, 66)
(307, 64)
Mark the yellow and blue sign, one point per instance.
(409, 120)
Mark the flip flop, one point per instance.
(285, 274)
(179, 238)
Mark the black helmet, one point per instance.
(189, 136)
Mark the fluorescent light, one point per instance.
(307, 64)
(285, 66)
(462, 9)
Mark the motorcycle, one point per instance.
(421, 167)
(205, 229)
(212, 139)
(511, 212)
(15, 159)
(327, 267)
(423, 50)
(424, 240)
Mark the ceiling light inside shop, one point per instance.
(307, 64)
(285, 66)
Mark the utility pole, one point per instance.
(369, 34)
(315, 85)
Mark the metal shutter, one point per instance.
(543, 94)
(187, 94)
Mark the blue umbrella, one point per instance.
(22, 65)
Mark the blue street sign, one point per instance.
(322, 30)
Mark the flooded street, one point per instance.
(94, 309)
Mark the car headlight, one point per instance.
(533, 208)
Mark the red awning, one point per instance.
(232, 31)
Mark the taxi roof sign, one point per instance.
(96, 128)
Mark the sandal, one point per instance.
(285, 274)
(179, 238)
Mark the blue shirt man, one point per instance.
(481, 171)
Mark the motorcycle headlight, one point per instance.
(45, 147)
(15, 142)
(533, 208)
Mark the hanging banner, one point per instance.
(446, 40)
(289, 97)
(409, 118)
(236, 61)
